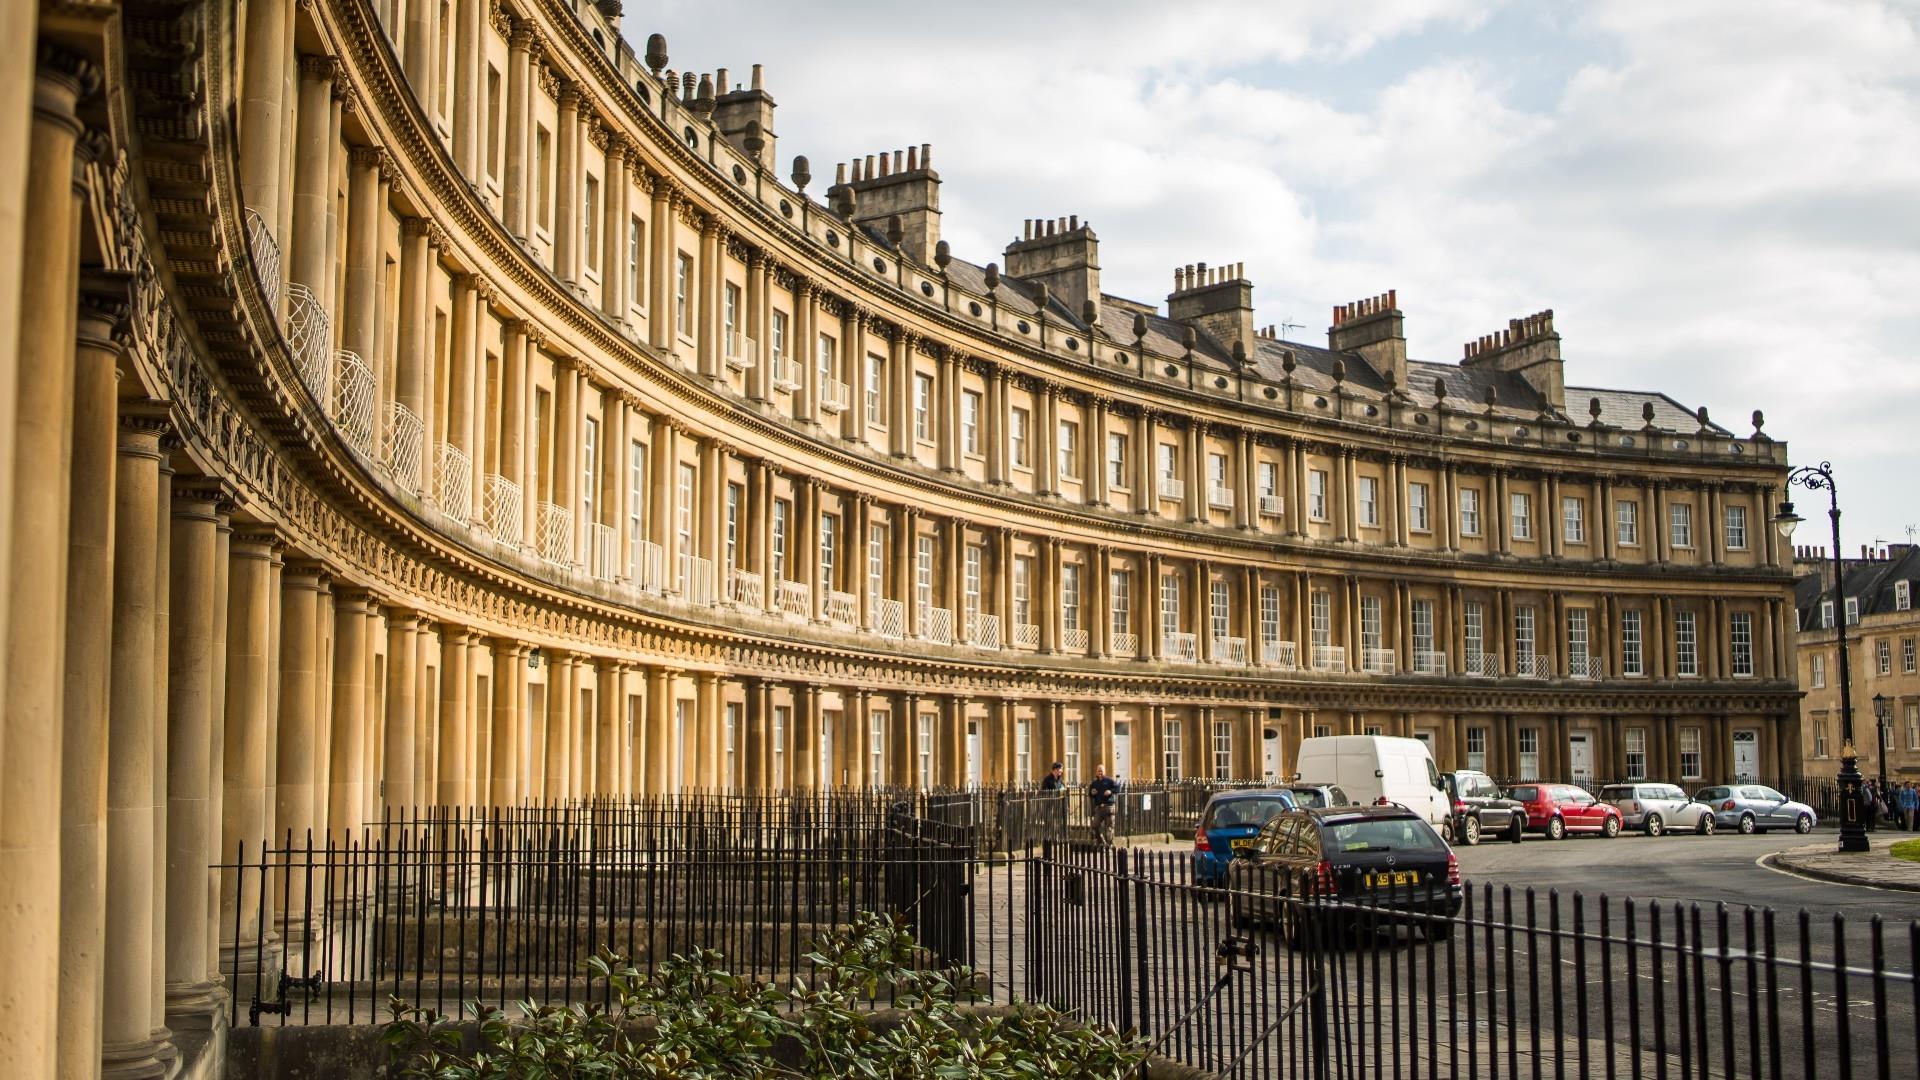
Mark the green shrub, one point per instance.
(707, 1024)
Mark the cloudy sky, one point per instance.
(1718, 198)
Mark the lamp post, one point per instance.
(1853, 818)
(1883, 714)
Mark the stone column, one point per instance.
(509, 695)
(346, 775)
(456, 718)
(659, 745)
(244, 753)
(709, 757)
(396, 786)
(128, 1047)
(566, 229)
(754, 741)
(306, 262)
(606, 735)
(561, 693)
(613, 236)
(296, 727)
(263, 109)
(660, 315)
(517, 185)
(706, 324)
(900, 405)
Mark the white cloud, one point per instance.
(1717, 198)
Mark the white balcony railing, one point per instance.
(1026, 635)
(649, 569)
(1230, 650)
(1073, 640)
(266, 256)
(935, 625)
(353, 397)
(1585, 667)
(746, 589)
(889, 618)
(1532, 666)
(603, 551)
(1329, 658)
(793, 599)
(1429, 662)
(309, 333)
(1376, 661)
(843, 608)
(1125, 644)
(1279, 654)
(402, 450)
(742, 352)
(786, 373)
(1180, 646)
(983, 630)
(454, 482)
(556, 534)
(1483, 665)
(1273, 506)
(834, 396)
(1220, 498)
(1172, 489)
(696, 580)
(503, 510)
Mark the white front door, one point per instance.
(1270, 754)
(1122, 749)
(1746, 756)
(1580, 758)
(975, 760)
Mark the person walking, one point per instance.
(1101, 791)
(1055, 779)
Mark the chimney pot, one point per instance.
(913, 158)
(1073, 221)
(926, 155)
(899, 157)
(756, 77)
(720, 81)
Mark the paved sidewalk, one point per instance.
(1876, 867)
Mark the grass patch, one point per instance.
(1908, 850)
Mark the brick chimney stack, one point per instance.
(733, 109)
(1376, 329)
(899, 182)
(1529, 346)
(1217, 301)
(1061, 253)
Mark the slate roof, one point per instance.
(1625, 408)
(1869, 582)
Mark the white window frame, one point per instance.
(1680, 525)
(1686, 644)
(1223, 750)
(1169, 604)
(590, 472)
(1172, 749)
(1522, 515)
(1120, 601)
(1477, 749)
(1579, 640)
(1317, 494)
(1883, 656)
(1474, 630)
(1573, 519)
(1853, 611)
(876, 391)
(1626, 523)
(1740, 643)
(922, 407)
(970, 422)
(1907, 657)
(924, 749)
(876, 562)
(1320, 617)
(1817, 671)
(1418, 518)
(1367, 499)
(1069, 450)
(829, 553)
(682, 287)
(1117, 459)
(1270, 479)
(1070, 596)
(1903, 596)
(1018, 421)
(1070, 750)
(1022, 749)
(1528, 742)
(1736, 527)
(1636, 753)
(878, 721)
(1269, 613)
(777, 570)
(1022, 590)
(734, 496)
(1219, 608)
(1689, 753)
(1469, 511)
(971, 575)
(1632, 643)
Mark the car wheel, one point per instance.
(1803, 824)
(1655, 826)
(1747, 826)
(1705, 827)
(1517, 831)
(1446, 831)
(1556, 829)
(1470, 831)
(1611, 829)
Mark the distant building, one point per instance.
(1883, 632)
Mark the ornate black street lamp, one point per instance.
(1883, 714)
(1853, 817)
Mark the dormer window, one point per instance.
(1902, 595)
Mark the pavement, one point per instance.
(1875, 868)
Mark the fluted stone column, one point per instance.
(36, 572)
(397, 792)
(192, 991)
(89, 636)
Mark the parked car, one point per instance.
(1228, 825)
(1319, 796)
(1753, 808)
(1658, 809)
(1559, 810)
(1480, 808)
(1366, 857)
(1377, 770)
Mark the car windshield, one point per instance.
(1615, 794)
(1523, 794)
(1228, 813)
(1380, 834)
(1309, 798)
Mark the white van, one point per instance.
(1378, 768)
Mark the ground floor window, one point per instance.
(1636, 753)
(926, 750)
(1071, 759)
(1170, 750)
(1477, 749)
(1023, 751)
(1222, 750)
(878, 720)
(1529, 754)
(1690, 753)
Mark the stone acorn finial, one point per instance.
(1040, 297)
(1759, 421)
(1288, 363)
(752, 139)
(703, 98)
(1090, 312)
(1339, 370)
(609, 8)
(1493, 398)
(1646, 412)
(1439, 390)
(1189, 338)
(656, 52)
(1239, 353)
(1393, 382)
(895, 231)
(1701, 413)
(802, 173)
(1139, 327)
(1593, 409)
(993, 277)
(942, 255)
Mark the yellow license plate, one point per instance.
(1243, 844)
(1397, 877)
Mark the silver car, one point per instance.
(1658, 808)
(1755, 808)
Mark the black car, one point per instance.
(1347, 863)
(1480, 808)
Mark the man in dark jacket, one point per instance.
(1055, 779)
(1101, 791)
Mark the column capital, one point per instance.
(203, 497)
(142, 423)
(106, 300)
(355, 599)
(706, 678)
(325, 68)
(510, 647)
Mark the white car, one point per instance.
(1658, 809)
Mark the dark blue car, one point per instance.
(1228, 825)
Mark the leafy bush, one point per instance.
(707, 1024)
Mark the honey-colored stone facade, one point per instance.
(411, 412)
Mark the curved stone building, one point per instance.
(434, 401)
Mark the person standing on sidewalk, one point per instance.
(1100, 795)
(1055, 779)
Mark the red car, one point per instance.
(1559, 809)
